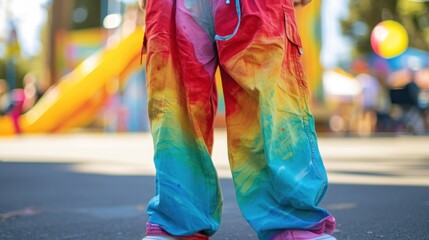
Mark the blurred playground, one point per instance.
(73, 70)
(76, 66)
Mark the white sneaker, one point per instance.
(160, 238)
(324, 237)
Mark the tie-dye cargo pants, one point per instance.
(276, 166)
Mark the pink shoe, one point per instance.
(302, 235)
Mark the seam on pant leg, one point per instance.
(306, 121)
(308, 131)
(293, 37)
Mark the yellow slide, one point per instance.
(78, 97)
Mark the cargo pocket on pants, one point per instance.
(291, 29)
(293, 53)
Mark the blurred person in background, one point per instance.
(404, 95)
(11, 103)
(422, 81)
(277, 169)
(368, 101)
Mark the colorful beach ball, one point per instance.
(389, 39)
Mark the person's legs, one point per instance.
(277, 169)
(182, 102)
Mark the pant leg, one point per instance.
(277, 168)
(182, 102)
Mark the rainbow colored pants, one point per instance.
(277, 170)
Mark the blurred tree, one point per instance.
(69, 15)
(21, 24)
(86, 14)
(365, 14)
(59, 23)
(414, 16)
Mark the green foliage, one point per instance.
(413, 15)
(20, 69)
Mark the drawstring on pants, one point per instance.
(238, 10)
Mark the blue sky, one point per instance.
(27, 17)
(335, 47)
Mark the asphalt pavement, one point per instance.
(96, 186)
